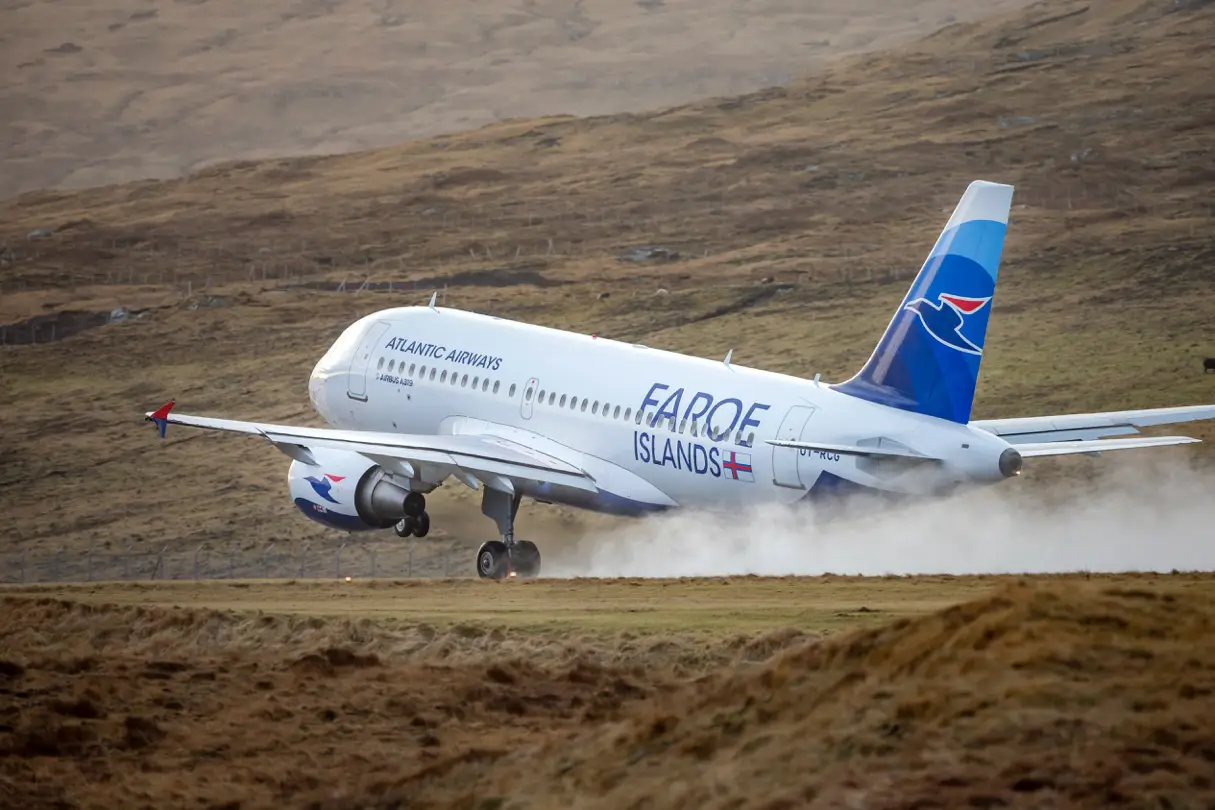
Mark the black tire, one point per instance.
(525, 559)
(415, 504)
(421, 525)
(405, 526)
(492, 560)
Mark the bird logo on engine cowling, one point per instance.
(324, 484)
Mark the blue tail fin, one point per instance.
(928, 359)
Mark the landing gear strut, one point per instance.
(498, 559)
(416, 521)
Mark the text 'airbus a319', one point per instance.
(418, 395)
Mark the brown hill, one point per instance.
(1030, 698)
(799, 213)
(1069, 695)
(116, 90)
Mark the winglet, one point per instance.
(161, 416)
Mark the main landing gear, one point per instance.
(416, 521)
(498, 559)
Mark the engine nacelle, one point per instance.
(346, 491)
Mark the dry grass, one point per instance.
(114, 91)
(1064, 691)
(831, 188)
(727, 605)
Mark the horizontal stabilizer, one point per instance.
(1041, 449)
(1072, 426)
(850, 449)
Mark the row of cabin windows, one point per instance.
(576, 404)
(456, 379)
(607, 411)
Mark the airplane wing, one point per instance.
(1076, 426)
(485, 457)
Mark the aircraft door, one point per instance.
(529, 398)
(784, 459)
(360, 362)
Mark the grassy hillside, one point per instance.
(800, 214)
(118, 90)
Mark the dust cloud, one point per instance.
(1132, 515)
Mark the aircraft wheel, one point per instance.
(406, 526)
(415, 504)
(421, 525)
(492, 560)
(525, 559)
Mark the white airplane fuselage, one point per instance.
(655, 429)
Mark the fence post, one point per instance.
(159, 570)
(126, 561)
(23, 553)
(88, 576)
(266, 560)
(197, 551)
(55, 566)
(337, 561)
(409, 560)
(373, 555)
(303, 558)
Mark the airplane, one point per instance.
(417, 395)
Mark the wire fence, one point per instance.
(208, 561)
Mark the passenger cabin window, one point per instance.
(616, 415)
(380, 364)
(485, 386)
(391, 363)
(563, 400)
(432, 373)
(475, 381)
(540, 398)
(443, 376)
(595, 408)
(627, 411)
(551, 397)
(464, 381)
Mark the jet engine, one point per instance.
(347, 491)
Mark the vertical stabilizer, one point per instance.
(928, 359)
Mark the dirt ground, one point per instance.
(799, 215)
(890, 693)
